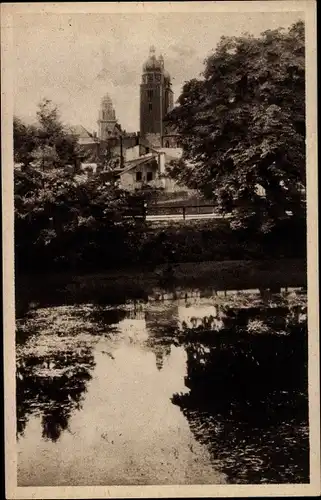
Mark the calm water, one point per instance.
(188, 388)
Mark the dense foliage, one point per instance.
(61, 220)
(62, 216)
(63, 223)
(47, 143)
(243, 128)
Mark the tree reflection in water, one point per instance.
(248, 393)
(53, 389)
(54, 363)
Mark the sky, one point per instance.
(74, 59)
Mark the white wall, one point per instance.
(132, 153)
(161, 163)
(128, 179)
(171, 153)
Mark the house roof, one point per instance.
(137, 162)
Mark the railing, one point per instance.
(183, 210)
(174, 211)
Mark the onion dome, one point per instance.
(152, 63)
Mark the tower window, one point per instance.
(150, 106)
(149, 176)
(139, 176)
(150, 94)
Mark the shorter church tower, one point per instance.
(107, 122)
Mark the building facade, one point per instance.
(137, 159)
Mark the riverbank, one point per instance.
(102, 248)
(119, 285)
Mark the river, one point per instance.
(188, 387)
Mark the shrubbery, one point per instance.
(93, 235)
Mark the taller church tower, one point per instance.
(156, 99)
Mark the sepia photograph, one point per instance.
(160, 249)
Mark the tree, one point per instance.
(54, 134)
(24, 140)
(48, 141)
(61, 219)
(243, 128)
(45, 157)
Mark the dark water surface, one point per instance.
(194, 387)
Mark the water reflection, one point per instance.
(195, 389)
(248, 389)
(250, 408)
(53, 366)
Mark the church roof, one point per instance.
(80, 131)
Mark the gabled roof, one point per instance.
(80, 131)
(84, 137)
(137, 162)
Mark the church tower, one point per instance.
(156, 99)
(107, 122)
